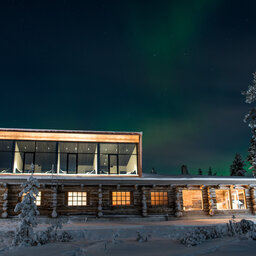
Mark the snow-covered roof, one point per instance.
(110, 180)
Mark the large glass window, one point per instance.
(118, 158)
(127, 164)
(6, 145)
(29, 161)
(238, 199)
(108, 148)
(43, 155)
(68, 157)
(78, 158)
(223, 199)
(6, 162)
(192, 200)
(6, 156)
(87, 164)
(45, 163)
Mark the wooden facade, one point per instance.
(99, 196)
(124, 195)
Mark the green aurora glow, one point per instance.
(171, 69)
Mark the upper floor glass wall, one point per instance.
(43, 155)
(119, 158)
(6, 155)
(78, 158)
(68, 157)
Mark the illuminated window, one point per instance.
(223, 199)
(77, 198)
(121, 198)
(238, 199)
(38, 198)
(230, 199)
(159, 198)
(192, 200)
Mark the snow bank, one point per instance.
(244, 228)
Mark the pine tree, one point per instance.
(237, 167)
(250, 118)
(210, 171)
(24, 235)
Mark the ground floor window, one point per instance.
(230, 199)
(38, 198)
(192, 200)
(159, 198)
(223, 199)
(121, 198)
(77, 198)
(238, 199)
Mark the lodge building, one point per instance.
(99, 174)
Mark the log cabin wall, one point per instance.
(173, 208)
(2, 190)
(252, 190)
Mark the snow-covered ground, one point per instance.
(119, 238)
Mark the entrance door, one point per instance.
(29, 159)
(112, 164)
(72, 163)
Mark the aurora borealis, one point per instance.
(171, 69)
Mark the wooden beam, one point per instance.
(140, 156)
(61, 136)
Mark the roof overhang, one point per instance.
(69, 135)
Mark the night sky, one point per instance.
(171, 69)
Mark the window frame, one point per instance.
(54, 149)
(121, 205)
(159, 205)
(117, 153)
(67, 199)
(230, 199)
(244, 198)
(202, 202)
(40, 195)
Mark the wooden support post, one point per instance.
(5, 201)
(144, 202)
(100, 213)
(178, 202)
(54, 202)
(211, 195)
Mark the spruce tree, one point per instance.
(250, 118)
(24, 235)
(237, 167)
(210, 171)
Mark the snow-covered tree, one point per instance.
(250, 118)
(24, 235)
(237, 167)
